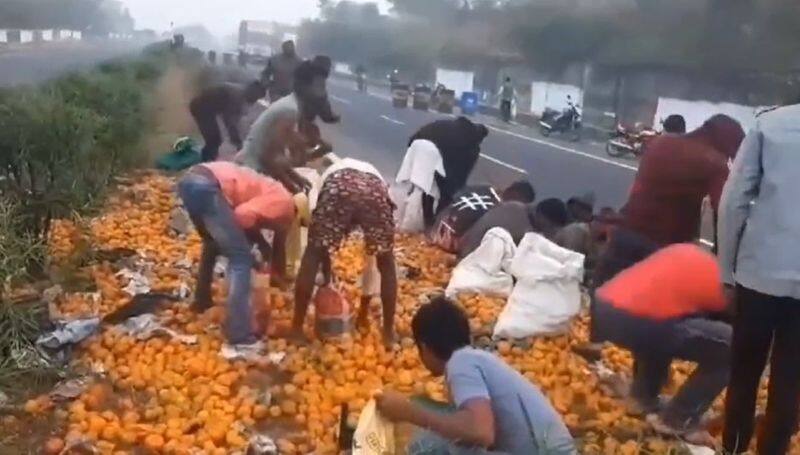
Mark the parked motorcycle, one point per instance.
(567, 122)
(624, 141)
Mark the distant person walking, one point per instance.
(758, 231)
(507, 96)
(228, 102)
(278, 76)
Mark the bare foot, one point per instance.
(389, 338)
(362, 320)
(200, 306)
(297, 337)
(592, 352)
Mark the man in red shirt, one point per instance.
(659, 309)
(675, 175)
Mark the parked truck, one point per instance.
(256, 39)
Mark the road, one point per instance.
(36, 63)
(371, 129)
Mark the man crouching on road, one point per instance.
(499, 411)
(660, 310)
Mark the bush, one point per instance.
(18, 249)
(118, 99)
(50, 163)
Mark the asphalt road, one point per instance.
(36, 63)
(371, 129)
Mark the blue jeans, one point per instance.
(428, 443)
(214, 219)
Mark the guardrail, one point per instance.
(23, 36)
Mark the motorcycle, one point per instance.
(567, 122)
(624, 141)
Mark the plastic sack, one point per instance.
(332, 316)
(486, 270)
(374, 435)
(408, 215)
(184, 155)
(370, 278)
(547, 294)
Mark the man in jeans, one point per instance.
(759, 229)
(659, 309)
(229, 205)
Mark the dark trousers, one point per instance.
(763, 322)
(625, 248)
(505, 110)
(212, 137)
(655, 344)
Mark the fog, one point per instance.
(221, 17)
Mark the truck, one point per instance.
(256, 40)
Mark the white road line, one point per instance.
(564, 149)
(340, 99)
(503, 163)
(527, 138)
(391, 120)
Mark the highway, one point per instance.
(373, 130)
(36, 63)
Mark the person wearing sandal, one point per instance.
(661, 309)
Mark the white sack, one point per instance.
(487, 269)
(547, 294)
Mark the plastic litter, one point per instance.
(69, 389)
(261, 444)
(252, 352)
(71, 332)
(146, 326)
(138, 283)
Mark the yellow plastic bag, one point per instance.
(374, 435)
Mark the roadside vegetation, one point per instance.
(62, 147)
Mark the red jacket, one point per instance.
(675, 174)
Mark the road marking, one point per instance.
(340, 99)
(521, 136)
(263, 102)
(503, 163)
(564, 149)
(391, 120)
(707, 243)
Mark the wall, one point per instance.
(552, 95)
(697, 112)
(647, 95)
(342, 68)
(459, 81)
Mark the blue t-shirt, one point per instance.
(525, 422)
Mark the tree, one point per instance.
(431, 9)
(98, 16)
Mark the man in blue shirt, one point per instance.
(498, 410)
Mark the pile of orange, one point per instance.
(171, 397)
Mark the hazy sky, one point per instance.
(221, 17)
